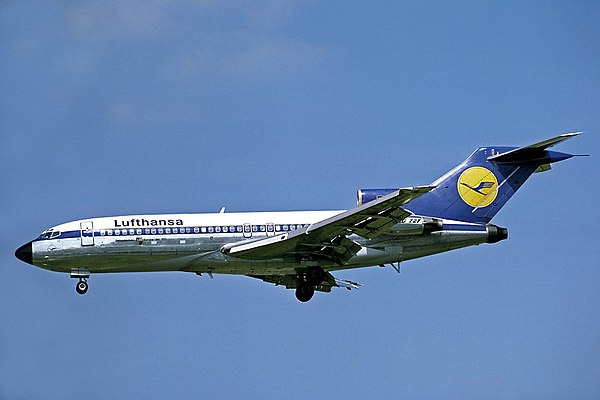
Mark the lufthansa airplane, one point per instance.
(301, 249)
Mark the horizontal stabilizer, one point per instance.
(478, 188)
(535, 153)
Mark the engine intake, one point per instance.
(366, 195)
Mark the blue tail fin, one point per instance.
(478, 188)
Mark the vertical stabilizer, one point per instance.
(478, 188)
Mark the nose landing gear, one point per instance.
(82, 275)
(82, 286)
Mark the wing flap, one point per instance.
(386, 208)
(328, 237)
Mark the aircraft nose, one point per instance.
(25, 253)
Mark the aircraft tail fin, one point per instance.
(477, 189)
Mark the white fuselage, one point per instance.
(192, 243)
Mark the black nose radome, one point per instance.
(24, 253)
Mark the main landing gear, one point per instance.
(304, 291)
(307, 283)
(82, 275)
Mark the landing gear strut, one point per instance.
(82, 275)
(307, 283)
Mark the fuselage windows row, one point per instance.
(201, 229)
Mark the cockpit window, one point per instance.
(50, 234)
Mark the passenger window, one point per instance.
(211, 229)
(161, 231)
(196, 229)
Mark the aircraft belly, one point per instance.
(127, 255)
(131, 255)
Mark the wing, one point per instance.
(327, 239)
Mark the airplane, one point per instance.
(301, 249)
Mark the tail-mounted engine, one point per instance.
(366, 195)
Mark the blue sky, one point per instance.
(112, 108)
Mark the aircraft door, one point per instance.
(87, 233)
